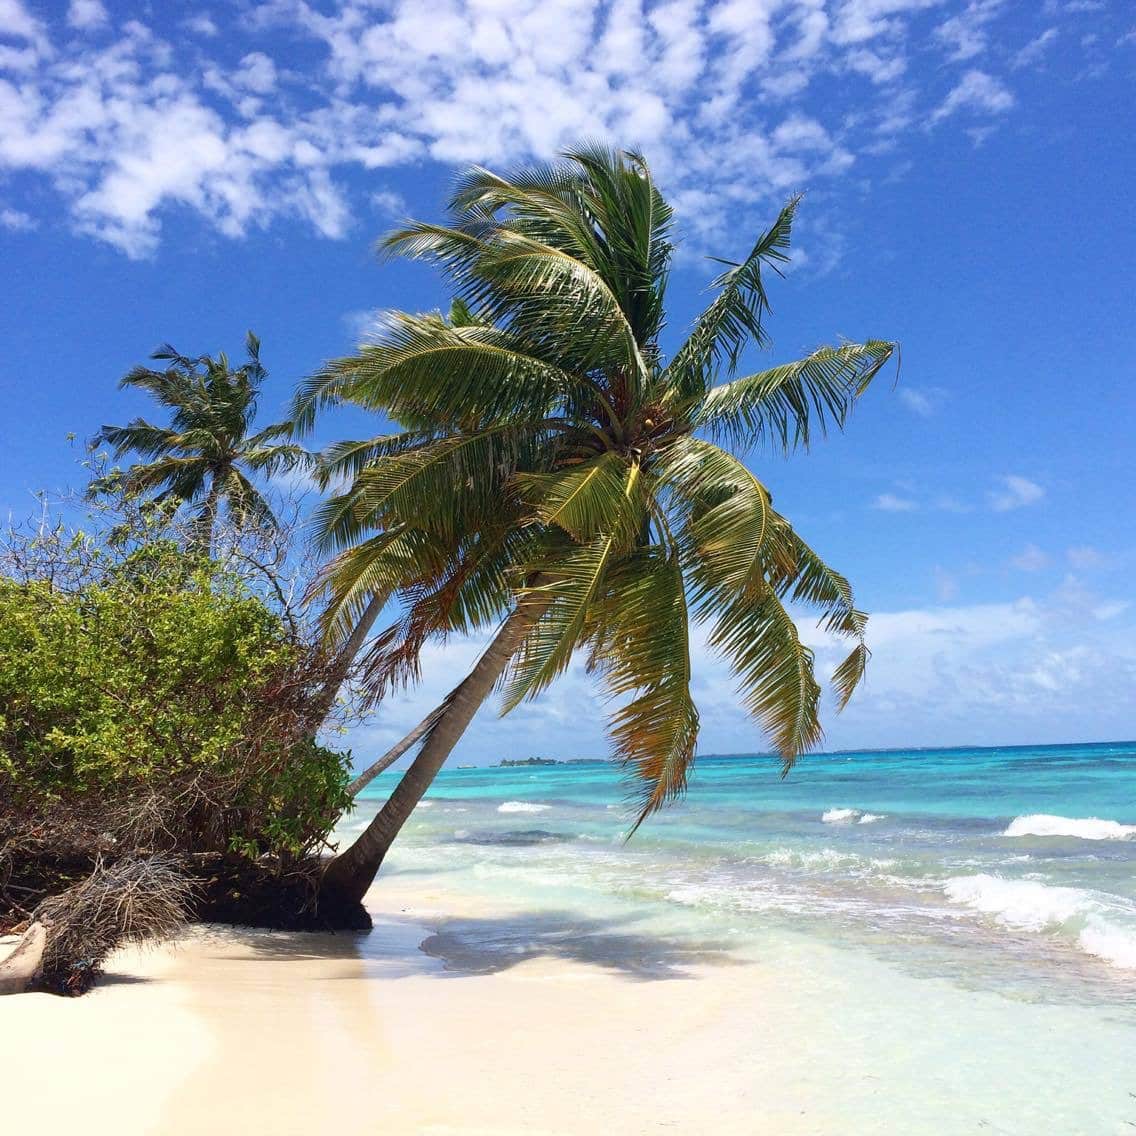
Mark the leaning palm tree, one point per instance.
(200, 459)
(557, 477)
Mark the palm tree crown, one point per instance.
(550, 456)
(200, 458)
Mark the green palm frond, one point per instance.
(549, 647)
(543, 451)
(734, 318)
(424, 371)
(642, 649)
(787, 404)
(601, 495)
(776, 683)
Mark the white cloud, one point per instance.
(975, 91)
(257, 73)
(1015, 493)
(132, 129)
(201, 25)
(965, 34)
(1035, 50)
(924, 401)
(1085, 557)
(891, 503)
(389, 204)
(86, 14)
(16, 22)
(1030, 559)
(16, 220)
(860, 20)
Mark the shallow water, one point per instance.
(1020, 862)
(995, 887)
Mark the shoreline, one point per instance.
(457, 1016)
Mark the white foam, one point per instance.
(824, 858)
(1085, 828)
(850, 816)
(425, 805)
(1025, 905)
(1099, 925)
(522, 807)
(1114, 945)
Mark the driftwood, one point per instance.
(22, 965)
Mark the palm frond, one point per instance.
(788, 404)
(774, 669)
(734, 317)
(642, 649)
(603, 494)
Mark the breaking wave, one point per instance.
(1084, 828)
(849, 816)
(1095, 923)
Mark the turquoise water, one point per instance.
(1012, 867)
(952, 932)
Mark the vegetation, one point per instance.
(556, 470)
(555, 479)
(200, 459)
(155, 703)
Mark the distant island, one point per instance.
(508, 763)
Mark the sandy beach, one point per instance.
(455, 1018)
(252, 1032)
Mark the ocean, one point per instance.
(985, 897)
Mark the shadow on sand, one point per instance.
(461, 947)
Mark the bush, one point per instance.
(151, 700)
(158, 678)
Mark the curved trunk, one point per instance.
(351, 873)
(395, 752)
(323, 702)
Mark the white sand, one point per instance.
(260, 1033)
(544, 1029)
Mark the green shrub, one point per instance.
(157, 677)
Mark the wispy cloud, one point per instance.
(16, 220)
(893, 503)
(978, 93)
(1015, 492)
(1035, 50)
(924, 401)
(125, 125)
(966, 35)
(85, 14)
(1030, 559)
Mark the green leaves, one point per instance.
(641, 646)
(734, 317)
(602, 495)
(785, 406)
(546, 452)
(197, 459)
(774, 670)
(429, 375)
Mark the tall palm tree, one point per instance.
(200, 459)
(559, 476)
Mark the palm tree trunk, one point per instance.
(352, 872)
(323, 702)
(206, 521)
(395, 752)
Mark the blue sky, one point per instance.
(183, 172)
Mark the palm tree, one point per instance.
(557, 475)
(200, 459)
